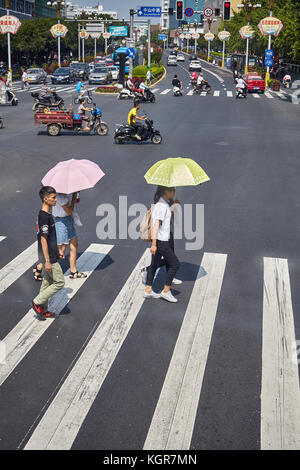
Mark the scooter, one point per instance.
(48, 100)
(125, 94)
(287, 83)
(177, 91)
(88, 98)
(205, 86)
(126, 133)
(240, 93)
(11, 97)
(149, 96)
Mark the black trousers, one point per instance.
(165, 249)
(139, 128)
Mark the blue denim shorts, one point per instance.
(65, 230)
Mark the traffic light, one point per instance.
(217, 12)
(170, 11)
(179, 9)
(226, 11)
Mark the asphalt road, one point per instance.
(250, 150)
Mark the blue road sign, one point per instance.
(269, 53)
(188, 12)
(149, 11)
(161, 37)
(131, 52)
(118, 30)
(268, 62)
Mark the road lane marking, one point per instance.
(165, 91)
(280, 394)
(282, 95)
(29, 330)
(190, 93)
(255, 95)
(2, 238)
(60, 424)
(17, 267)
(216, 93)
(268, 94)
(155, 90)
(229, 94)
(174, 417)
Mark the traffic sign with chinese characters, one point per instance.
(149, 11)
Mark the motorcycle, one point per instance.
(49, 100)
(58, 120)
(204, 86)
(125, 94)
(240, 93)
(177, 91)
(149, 96)
(287, 83)
(88, 97)
(11, 97)
(126, 133)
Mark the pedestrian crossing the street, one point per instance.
(172, 422)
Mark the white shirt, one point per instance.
(24, 76)
(200, 80)
(148, 75)
(240, 83)
(61, 200)
(162, 212)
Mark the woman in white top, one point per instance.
(161, 247)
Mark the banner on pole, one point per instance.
(247, 32)
(209, 36)
(224, 35)
(9, 24)
(58, 30)
(95, 35)
(270, 25)
(83, 34)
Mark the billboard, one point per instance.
(118, 30)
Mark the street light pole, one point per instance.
(249, 7)
(267, 77)
(78, 27)
(58, 4)
(8, 42)
(132, 13)
(149, 43)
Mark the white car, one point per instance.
(195, 65)
(180, 57)
(114, 70)
(172, 60)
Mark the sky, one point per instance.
(121, 6)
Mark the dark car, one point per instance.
(63, 75)
(81, 70)
(193, 57)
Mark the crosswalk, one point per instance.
(227, 93)
(60, 89)
(172, 422)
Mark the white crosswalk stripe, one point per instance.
(229, 94)
(173, 421)
(268, 95)
(29, 330)
(190, 93)
(216, 93)
(155, 90)
(280, 393)
(165, 91)
(64, 417)
(203, 93)
(255, 95)
(17, 267)
(2, 238)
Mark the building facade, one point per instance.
(28, 9)
(71, 11)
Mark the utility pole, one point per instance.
(249, 7)
(267, 77)
(8, 41)
(132, 13)
(58, 4)
(78, 27)
(149, 43)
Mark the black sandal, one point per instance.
(38, 276)
(77, 275)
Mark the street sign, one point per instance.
(224, 35)
(95, 27)
(106, 35)
(195, 35)
(9, 24)
(58, 31)
(95, 35)
(182, 36)
(118, 30)
(149, 11)
(188, 12)
(270, 25)
(209, 36)
(208, 12)
(130, 43)
(269, 53)
(188, 36)
(131, 52)
(247, 32)
(83, 34)
(269, 62)
(161, 37)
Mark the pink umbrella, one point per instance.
(73, 175)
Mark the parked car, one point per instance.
(180, 57)
(255, 83)
(36, 76)
(114, 70)
(81, 70)
(172, 60)
(63, 75)
(195, 65)
(100, 75)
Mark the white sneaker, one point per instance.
(151, 295)
(176, 281)
(168, 296)
(144, 275)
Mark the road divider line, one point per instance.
(60, 424)
(174, 417)
(17, 267)
(29, 330)
(280, 394)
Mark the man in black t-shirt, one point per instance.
(53, 279)
(177, 82)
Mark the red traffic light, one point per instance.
(227, 4)
(179, 4)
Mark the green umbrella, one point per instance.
(176, 172)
